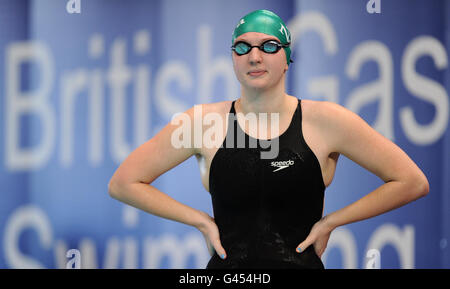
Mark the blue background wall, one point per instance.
(80, 91)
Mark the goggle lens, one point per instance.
(242, 48)
(270, 47)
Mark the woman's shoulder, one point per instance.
(330, 116)
(333, 119)
(222, 107)
(320, 109)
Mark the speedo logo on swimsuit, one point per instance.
(281, 165)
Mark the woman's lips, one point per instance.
(256, 72)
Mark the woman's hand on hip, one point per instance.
(318, 237)
(210, 232)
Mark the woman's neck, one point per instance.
(270, 100)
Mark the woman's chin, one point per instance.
(256, 85)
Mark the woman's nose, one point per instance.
(255, 55)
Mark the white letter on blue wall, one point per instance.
(380, 89)
(325, 86)
(425, 89)
(20, 103)
(26, 217)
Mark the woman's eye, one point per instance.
(270, 47)
(241, 48)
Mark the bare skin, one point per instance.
(328, 128)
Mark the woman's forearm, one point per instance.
(149, 199)
(387, 197)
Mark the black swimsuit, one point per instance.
(264, 208)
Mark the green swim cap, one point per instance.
(267, 22)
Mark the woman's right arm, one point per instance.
(131, 182)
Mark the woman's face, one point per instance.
(257, 69)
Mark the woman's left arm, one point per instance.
(350, 135)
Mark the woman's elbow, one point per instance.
(115, 187)
(425, 187)
(421, 187)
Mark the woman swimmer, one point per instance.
(268, 212)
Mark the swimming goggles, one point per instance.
(269, 46)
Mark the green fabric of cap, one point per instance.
(267, 22)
